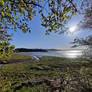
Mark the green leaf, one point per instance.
(2, 2)
(2, 13)
(39, 0)
(12, 46)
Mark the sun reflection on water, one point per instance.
(71, 53)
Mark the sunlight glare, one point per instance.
(72, 29)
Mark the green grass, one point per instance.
(35, 76)
(16, 58)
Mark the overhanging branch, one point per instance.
(73, 5)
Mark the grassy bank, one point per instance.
(50, 74)
(16, 58)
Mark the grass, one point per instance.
(50, 74)
(16, 58)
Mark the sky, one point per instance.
(38, 39)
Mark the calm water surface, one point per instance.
(66, 53)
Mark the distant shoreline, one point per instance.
(42, 50)
(30, 50)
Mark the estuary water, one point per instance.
(1, 64)
(61, 53)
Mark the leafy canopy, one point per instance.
(5, 48)
(17, 14)
(86, 23)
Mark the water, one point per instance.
(64, 53)
(1, 64)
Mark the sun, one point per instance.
(73, 29)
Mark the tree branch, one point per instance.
(33, 3)
(73, 5)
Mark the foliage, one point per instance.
(17, 14)
(87, 20)
(5, 48)
(86, 23)
(85, 42)
(59, 13)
